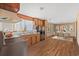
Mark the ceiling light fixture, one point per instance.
(41, 8)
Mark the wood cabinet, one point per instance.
(14, 7)
(36, 22)
(39, 22)
(38, 38)
(25, 17)
(32, 39)
(29, 39)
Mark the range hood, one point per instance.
(7, 16)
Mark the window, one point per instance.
(24, 25)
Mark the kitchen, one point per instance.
(30, 31)
(15, 25)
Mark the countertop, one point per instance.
(18, 34)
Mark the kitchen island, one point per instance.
(31, 38)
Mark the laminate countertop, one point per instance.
(22, 34)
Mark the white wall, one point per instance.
(78, 30)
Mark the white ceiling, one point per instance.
(53, 12)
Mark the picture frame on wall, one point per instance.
(57, 28)
(70, 28)
(61, 28)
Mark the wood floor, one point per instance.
(53, 47)
(49, 47)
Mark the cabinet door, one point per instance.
(38, 38)
(39, 22)
(33, 39)
(36, 21)
(29, 40)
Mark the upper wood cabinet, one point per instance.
(25, 17)
(39, 22)
(14, 7)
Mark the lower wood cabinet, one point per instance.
(32, 39)
(38, 38)
(29, 40)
